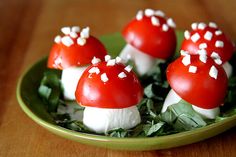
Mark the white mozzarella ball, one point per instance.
(69, 79)
(171, 98)
(101, 120)
(207, 113)
(228, 68)
(142, 61)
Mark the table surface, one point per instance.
(27, 29)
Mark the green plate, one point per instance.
(35, 109)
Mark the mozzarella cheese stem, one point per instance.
(101, 120)
(142, 61)
(69, 79)
(228, 69)
(173, 98)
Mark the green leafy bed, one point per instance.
(178, 118)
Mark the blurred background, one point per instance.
(27, 30)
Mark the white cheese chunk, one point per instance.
(165, 27)
(213, 72)
(149, 12)
(186, 60)
(187, 34)
(192, 69)
(65, 30)
(195, 37)
(67, 41)
(111, 62)
(104, 77)
(171, 22)
(94, 70)
(208, 35)
(122, 75)
(101, 120)
(57, 39)
(219, 43)
(81, 41)
(75, 29)
(212, 25)
(128, 68)
(155, 21)
(139, 15)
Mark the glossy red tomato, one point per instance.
(151, 39)
(62, 56)
(224, 52)
(115, 93)
(198, 88)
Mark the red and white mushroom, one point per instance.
(198, 80)
(72, 53)
(149, 36)
(109, 91)
(212, 40)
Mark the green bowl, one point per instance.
(33, 106)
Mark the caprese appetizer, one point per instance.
(198, 80)
(150, 36)
(109, 91)
(72, 53)
(210, 40)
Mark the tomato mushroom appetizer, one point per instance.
(72, 54)
(198, 80)
(211, 39)
(109, 91)
(150, 36)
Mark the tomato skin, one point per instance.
(76, 55)
(150, 39)
(115, 93)
(198, 88)
(225, 53)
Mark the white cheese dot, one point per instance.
(171, 22)
(202, 46)
(122, 75)
(139, 15)
(75, 29)
(192, 69)
(202, 52)
(218, 61)
(155, 21)
(85, 32)
(57, 39)
(187, 34)
(81, 41)
(111, 62)
(208, 36)
(104, 77)
(215, 55)
(67, 41)
(94, 70)
(73, 35)
(194, 26)
(128, 68)
(213, 72)
(184, 53)
(201, 26)
(186, 60)
(107, 58)
(159, 13)
(195, 37)
(165, 27)
(212, 25)
(149, 12)
(203, 58)
(58, 61)
(118, 59)
(65, 30)
(219, 43)
(218, 32)
(95, 60)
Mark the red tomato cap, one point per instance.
(114, 86)
(201, 84)
(151, 34)
(78, 52)
(210, 38)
